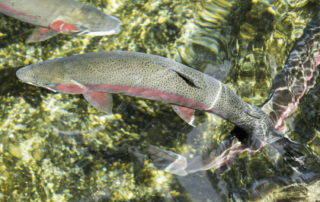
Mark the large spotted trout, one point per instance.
(60, 16)
(97, 75)
(297, 77)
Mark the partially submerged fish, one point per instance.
(60, 16)
(96, 75)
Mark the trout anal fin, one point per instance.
(186, 114)
(40, 34)
(101, 101)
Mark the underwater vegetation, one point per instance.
(57, 147)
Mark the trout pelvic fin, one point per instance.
(186, 114)
(101, 101)
(40, 34)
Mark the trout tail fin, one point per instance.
(168, 161)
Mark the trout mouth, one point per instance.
(26, 76)
(28, 82)
(39, 84)
(31, 83)
(46, 86)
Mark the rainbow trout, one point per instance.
(97, 75)
(60, 16)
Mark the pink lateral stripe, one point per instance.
(71, 88)
(9, 10)
(147, 93)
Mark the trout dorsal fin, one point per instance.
(185, 76)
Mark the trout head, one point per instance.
(90, 21)
(48, 74)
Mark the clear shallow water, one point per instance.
(57, 147)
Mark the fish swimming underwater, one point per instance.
(60, 16)
(298, 76)
(96, 75)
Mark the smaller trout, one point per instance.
(60, 16)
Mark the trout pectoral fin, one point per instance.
(186, 114)
(101, 101)
(40, 34)
(63, 27)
